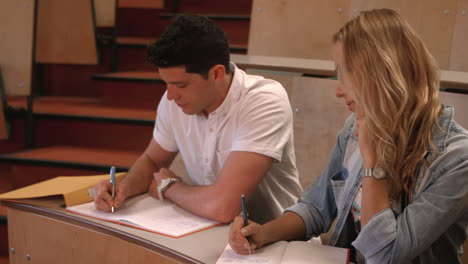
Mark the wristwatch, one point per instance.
(377, 173)
(164, 185)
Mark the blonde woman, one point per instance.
(396, 182)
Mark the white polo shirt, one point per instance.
(255, 116)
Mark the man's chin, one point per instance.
(188, 111)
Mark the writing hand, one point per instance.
(102, 195)
(238, 236)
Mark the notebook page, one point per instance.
(299, 252)
(149, 213)
(270, 254)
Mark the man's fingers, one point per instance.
(102, 205)
(152, 189)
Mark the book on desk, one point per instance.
(294, 252)
(59, 192)
(143, 211)
(150, 214)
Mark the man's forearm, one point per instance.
(139, 176)
(206, 201)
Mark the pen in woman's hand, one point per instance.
(246, 220)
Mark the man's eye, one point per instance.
(181, 85)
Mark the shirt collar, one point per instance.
(234, 93)
(442, 131)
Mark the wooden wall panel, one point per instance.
(50, 241)
(16, 45)
(303, 28)
(459, 102)
(459, 52)
(318, 117)
(434, 21)
(300, 28)
(142, 3)
(138, 254)
(105, 12)
(65, 32)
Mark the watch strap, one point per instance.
(163, 186)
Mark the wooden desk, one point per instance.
(56, 236)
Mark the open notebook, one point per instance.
(294, 252)
(147, 213)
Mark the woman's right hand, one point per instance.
(238, 236)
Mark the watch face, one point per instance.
(164, 183)
(379, 173)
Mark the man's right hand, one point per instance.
(102, 195)
(238, 236)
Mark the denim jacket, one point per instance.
(431, 229)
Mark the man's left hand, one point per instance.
(163, 173)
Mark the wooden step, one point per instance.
(143, 42)
(236, 27)
(213, 6)
(36, 165)
(134, 76)
(74, 157)
(214, 16)
(150, 23)
(17, 138)
(71, 80)
(4, 259)
(135, 89)
(84, 122)
(82, 107)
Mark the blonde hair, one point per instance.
(396, 84)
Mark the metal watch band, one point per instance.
(163, 186)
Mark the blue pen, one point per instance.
(246, 220)
(112, 182)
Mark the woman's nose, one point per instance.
(339, 91)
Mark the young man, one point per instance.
(233, 131)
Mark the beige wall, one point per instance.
(16, 45)
(304, 28)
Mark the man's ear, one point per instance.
(218, 72)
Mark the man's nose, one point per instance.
(172, 93)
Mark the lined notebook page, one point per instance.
(151, 214)
(271, 254)
(299, 252)
(295, 252)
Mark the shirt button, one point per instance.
(206, 160)
(211, 130)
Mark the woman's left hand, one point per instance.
(365, 146)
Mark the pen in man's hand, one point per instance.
(112, 181)
(246, 220)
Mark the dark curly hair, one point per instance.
(193, 41)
